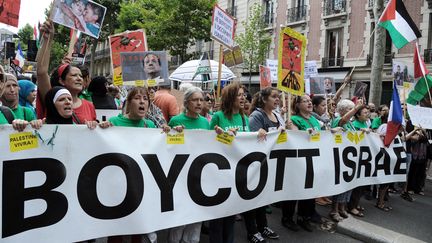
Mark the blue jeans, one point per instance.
(222, 230)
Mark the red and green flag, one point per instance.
(396, 20)
(425, 80)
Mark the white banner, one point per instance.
(70, 183)
(420, 116)
(273, 65)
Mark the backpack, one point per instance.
(7, 113)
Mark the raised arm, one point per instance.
(338, 94)
(43, 59)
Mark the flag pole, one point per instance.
(361, 53)
(219, 71)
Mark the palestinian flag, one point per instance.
(424, 83)
(396, 20)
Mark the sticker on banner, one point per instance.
(282, 138)
(338, 138)
(361, 136)
(225, 138)
(117, 80)
(315, 137)
(351, 136)
(139, 83)
(176, 138)
(22, 141)
(151, 82)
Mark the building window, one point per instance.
(297, 12)
(334, 7)
(334, 48)
(268, 12)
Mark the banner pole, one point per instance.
(219, 71)
(289, 107)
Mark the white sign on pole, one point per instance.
(223, 27)
(420, 116)
(273, 65)
(311, 69)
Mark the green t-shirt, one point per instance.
(347, 126)
(236, 122)
(359, 124)
(189, 122)
(24, 112)
(302, 124)
(3, 119)
(376, 122)
(122, 121)
(87, 95)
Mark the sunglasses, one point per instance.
(208, 99)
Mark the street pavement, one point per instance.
(407, 222)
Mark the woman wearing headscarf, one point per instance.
(58, 104)
(99, 94)
(27, 94)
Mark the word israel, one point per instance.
(119, 181)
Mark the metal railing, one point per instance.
(332, 62)
(297, 13)
(388, 58)
(334, 7)
(268, 19)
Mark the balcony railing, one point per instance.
(334, 7)
(232, 11)
(428, 55)
(388, 58)
(332, 62)
(297, 14)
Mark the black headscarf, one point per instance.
(52, 115)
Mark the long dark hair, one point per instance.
(260, 97)
(52, 115)
(229, 96)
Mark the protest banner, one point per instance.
(273, 65)
(123, 181)
(223, 27)
(265, 77)
(77, 47)
(291, 63)
(10, 12)
(129, 41)
(420, 116)
(229, 60)
(223, 30)
(311, 69)
(83, 15)
(360, 89)
(149, 66)
(238, 56)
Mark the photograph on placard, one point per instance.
(79, 50)
(149, 65)
(322, 85)
(360, 89)
(129, 41)
(265, 77)
(291, 60)
(83, 15)
(9, 13)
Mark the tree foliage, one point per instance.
(255, 41)
(25, 34)
(172, 25)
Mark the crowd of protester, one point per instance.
(69, 96)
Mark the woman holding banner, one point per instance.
(230, 119)
(262, 119)
(303, 120)
(190, 119)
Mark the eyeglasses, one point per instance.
(208, 99)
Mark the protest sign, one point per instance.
(115, 182)
(360, 89)
(265, 77)
(148, 65)
(420, 116)
(322, 85)
(311, 69)
(78, 47)
(223, 27)
(273, 65)
(83, 15)
(229, 60)
(238, 57)
(291, 63)
(10, 12)
(129, 41)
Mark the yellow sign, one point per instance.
(225, 138)
(151, 83)
(117, 80)
(338, 138)
(292, 46)
(315, 137)
(282, 138)
(139, 83)
(176, 138)
(22, 141)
